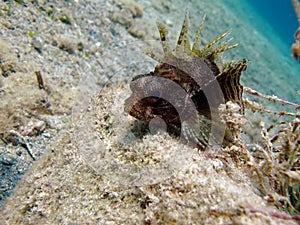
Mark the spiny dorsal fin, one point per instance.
(209, 46)
(163, 31)
(197, 41)
(183, 43)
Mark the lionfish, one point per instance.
(187, 86)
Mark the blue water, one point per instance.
(280, 15)
(266, 38)
(277, 14)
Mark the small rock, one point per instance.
(137, 29)
(126, 15)
(169, 22)
(123, 17)
(8, 25)
(66, 44)
(8, 159)
(33, 128)
(19, 152)
(37, 44)
(114, 32)
(46, 135)
(80, 46)
(65, 19)
(135, 8)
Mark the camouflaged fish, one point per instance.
(187, 85)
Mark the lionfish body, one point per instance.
(183, 89)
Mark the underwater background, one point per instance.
(280, 15)
(266, 34)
